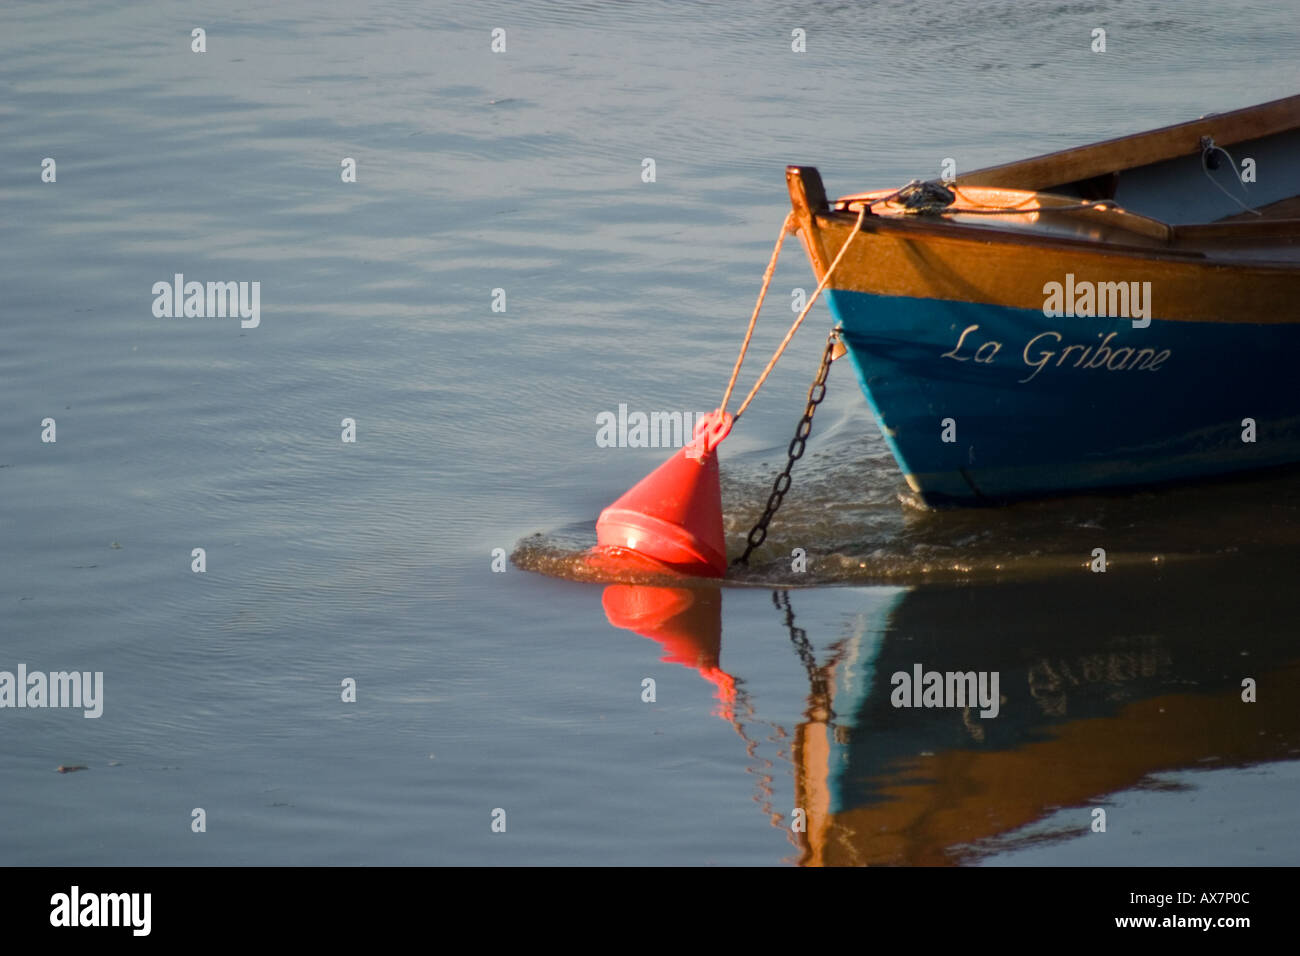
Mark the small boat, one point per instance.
(1116, 315)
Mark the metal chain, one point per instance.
(816, 392)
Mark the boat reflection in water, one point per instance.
(1105, 680)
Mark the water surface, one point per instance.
(476, 431)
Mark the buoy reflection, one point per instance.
(685, 622)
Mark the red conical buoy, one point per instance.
(674, 514)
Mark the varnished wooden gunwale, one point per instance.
(940, 260)
(1140, 149)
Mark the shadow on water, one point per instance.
(1104, 682)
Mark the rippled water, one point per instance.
(476, 431)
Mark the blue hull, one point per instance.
(1041, 406)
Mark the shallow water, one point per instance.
(476, 431)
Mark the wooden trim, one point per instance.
(1141, 149)
(972, 201)
(944, 261)
(922, 227)
(1240, 229)
(1126, 220)
(1288, 208)
(808, 199)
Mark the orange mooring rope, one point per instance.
(862, 214)
(758, 307)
